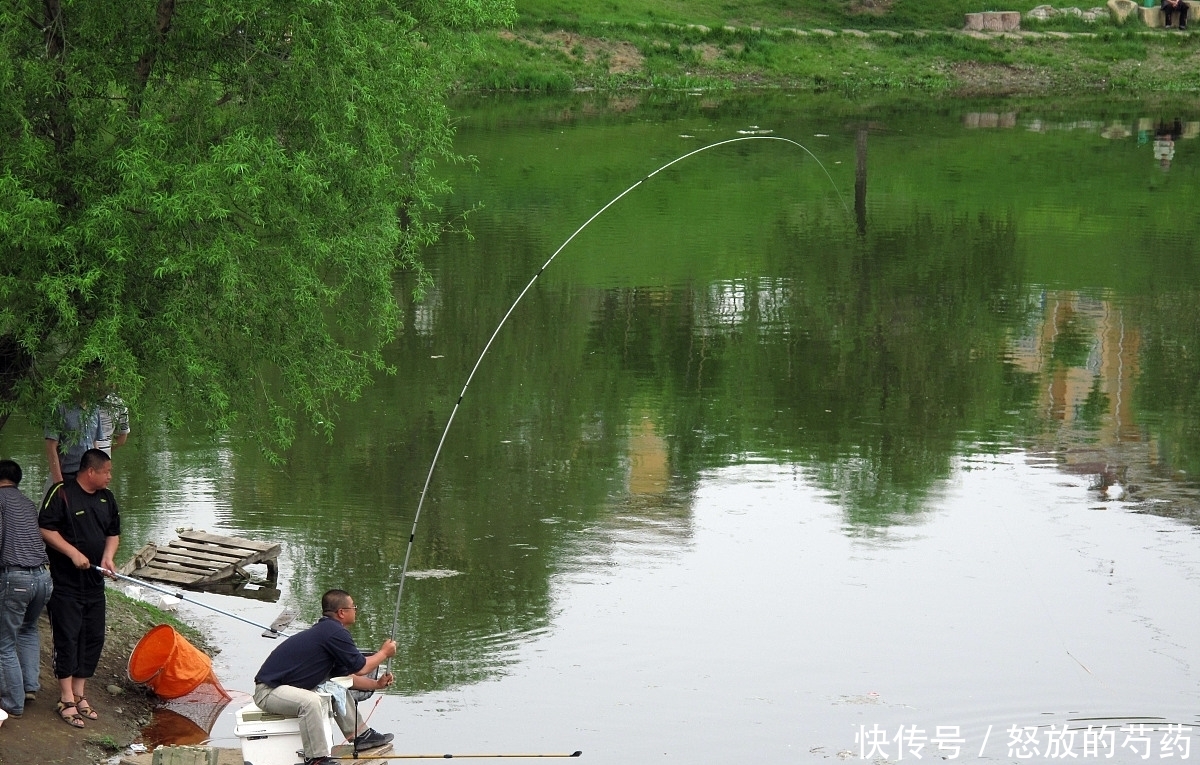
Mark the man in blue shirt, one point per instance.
(285, 684)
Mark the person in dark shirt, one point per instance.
(286, 681)
(81, 526)
(25, 587)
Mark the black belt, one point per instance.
(22, 568)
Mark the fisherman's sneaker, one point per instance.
(371, 738)
(318, 761)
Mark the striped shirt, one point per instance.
(22, 546)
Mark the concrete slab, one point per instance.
(1151, 17)
(223, 756)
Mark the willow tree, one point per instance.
(209, 201)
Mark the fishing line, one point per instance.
(1013, 545)
(273, 631)
(441, 442)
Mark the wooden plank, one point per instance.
(180, 567)
(139, 559)
(286, 617)
(162, 575)
(183, 560)
(215, 549)
(176, 549)
(219, 574)
(234, 567)
(217, 539)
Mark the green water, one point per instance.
(950, 352)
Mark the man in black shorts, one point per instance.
(81, 525)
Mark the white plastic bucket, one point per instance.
(3, 716)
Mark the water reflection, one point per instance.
(1164, 143)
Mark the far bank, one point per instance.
(553, 56)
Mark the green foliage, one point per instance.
(212, 200)
(105, 742)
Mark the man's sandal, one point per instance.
(85, 708)
(74, 719)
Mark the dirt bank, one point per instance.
(40, 736)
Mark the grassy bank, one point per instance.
(846, 47)
(837, 14)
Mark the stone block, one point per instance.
(1151, 17)
(1121, 9)
(185, 755)
(992, 21)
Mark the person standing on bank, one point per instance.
(81, 526)
(114, 424)
(24, 589)
(285, 684)
(73, 431)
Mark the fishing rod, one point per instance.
(437, 453)
(576, 753)
(272, 632)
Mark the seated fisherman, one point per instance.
(285, 684)
(1170, 8)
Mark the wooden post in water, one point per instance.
(860, 180)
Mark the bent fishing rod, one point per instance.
(271, 632)
(437, 452)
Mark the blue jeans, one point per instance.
(23, 594)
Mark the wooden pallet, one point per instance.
(197, 559)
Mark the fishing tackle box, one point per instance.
(270, 739)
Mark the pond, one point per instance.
(881, 448)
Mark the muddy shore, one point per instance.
(40, 735)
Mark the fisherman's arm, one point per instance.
(56, 541)
(362, 683)
(52, 460)
(110, 551)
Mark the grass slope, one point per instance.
(892, 14)
(846, 46)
